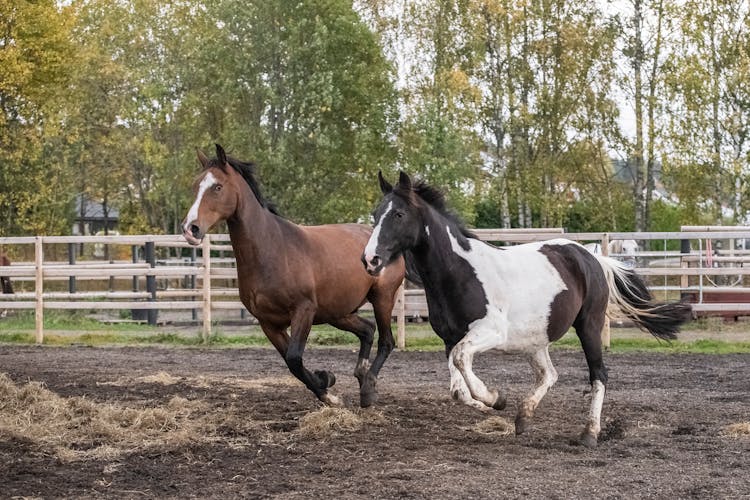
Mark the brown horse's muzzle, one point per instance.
(192, 233)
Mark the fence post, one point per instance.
(684, 281)
(151, 281)
(193, 255)
(206, 248)
(71, 261)
(606, 332)
(401, 316)
(39, 289)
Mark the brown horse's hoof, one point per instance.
(327, 378)
(368, 395)
(367, 399)
(588, 440)
(522, 424)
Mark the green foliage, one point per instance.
(511, 107)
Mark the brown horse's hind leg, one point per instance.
(382, 303)
(364, 330)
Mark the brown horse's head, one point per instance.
(217, 191)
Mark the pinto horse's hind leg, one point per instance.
(589, 331)
(545, 377)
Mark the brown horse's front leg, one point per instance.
(319, 381)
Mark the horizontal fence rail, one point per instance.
(150, 273)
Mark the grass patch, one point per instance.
(66, 320)
(66, 328)
(703, 346)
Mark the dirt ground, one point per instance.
(665, 428)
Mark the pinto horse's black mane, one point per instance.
(247, 171)
(436, 199)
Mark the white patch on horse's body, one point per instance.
(208, 181)
(427, 230)
(372, 243)
(520, 284)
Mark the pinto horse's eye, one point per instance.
(399, 215)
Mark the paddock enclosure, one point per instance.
(228, 423)
(136, 277)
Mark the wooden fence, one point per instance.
(204, 279)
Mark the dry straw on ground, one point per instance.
(77, 428)
(329, 421)
(164, 378)
(740, 429)
(494, 426)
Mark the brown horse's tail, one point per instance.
(629, 292)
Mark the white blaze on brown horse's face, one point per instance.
(215, 201)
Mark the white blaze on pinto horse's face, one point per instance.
(397, 229)
(370, 256)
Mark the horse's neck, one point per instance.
(255, 234)
(435, 253)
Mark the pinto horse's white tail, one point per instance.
(628, 291)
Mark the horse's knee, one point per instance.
(458, 357)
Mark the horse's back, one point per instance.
(341, 281)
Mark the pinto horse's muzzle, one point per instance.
(373, 265)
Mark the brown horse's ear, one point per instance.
(404, 181)
(221, 156)
(202, 158)
(385, 186)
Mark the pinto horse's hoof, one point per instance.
(588, 440)
(500, 402)
(327, 378)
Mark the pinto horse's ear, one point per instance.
(221, 156)
(202, 158)
(404, 181)
(385, 186)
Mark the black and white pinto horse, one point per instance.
(514, 300)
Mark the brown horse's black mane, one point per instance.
(247, 171)
(436, 199)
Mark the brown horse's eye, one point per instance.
(217, 187)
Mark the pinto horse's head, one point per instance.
(398, 225)
(216, 196)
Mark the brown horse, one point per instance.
(291, 275)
